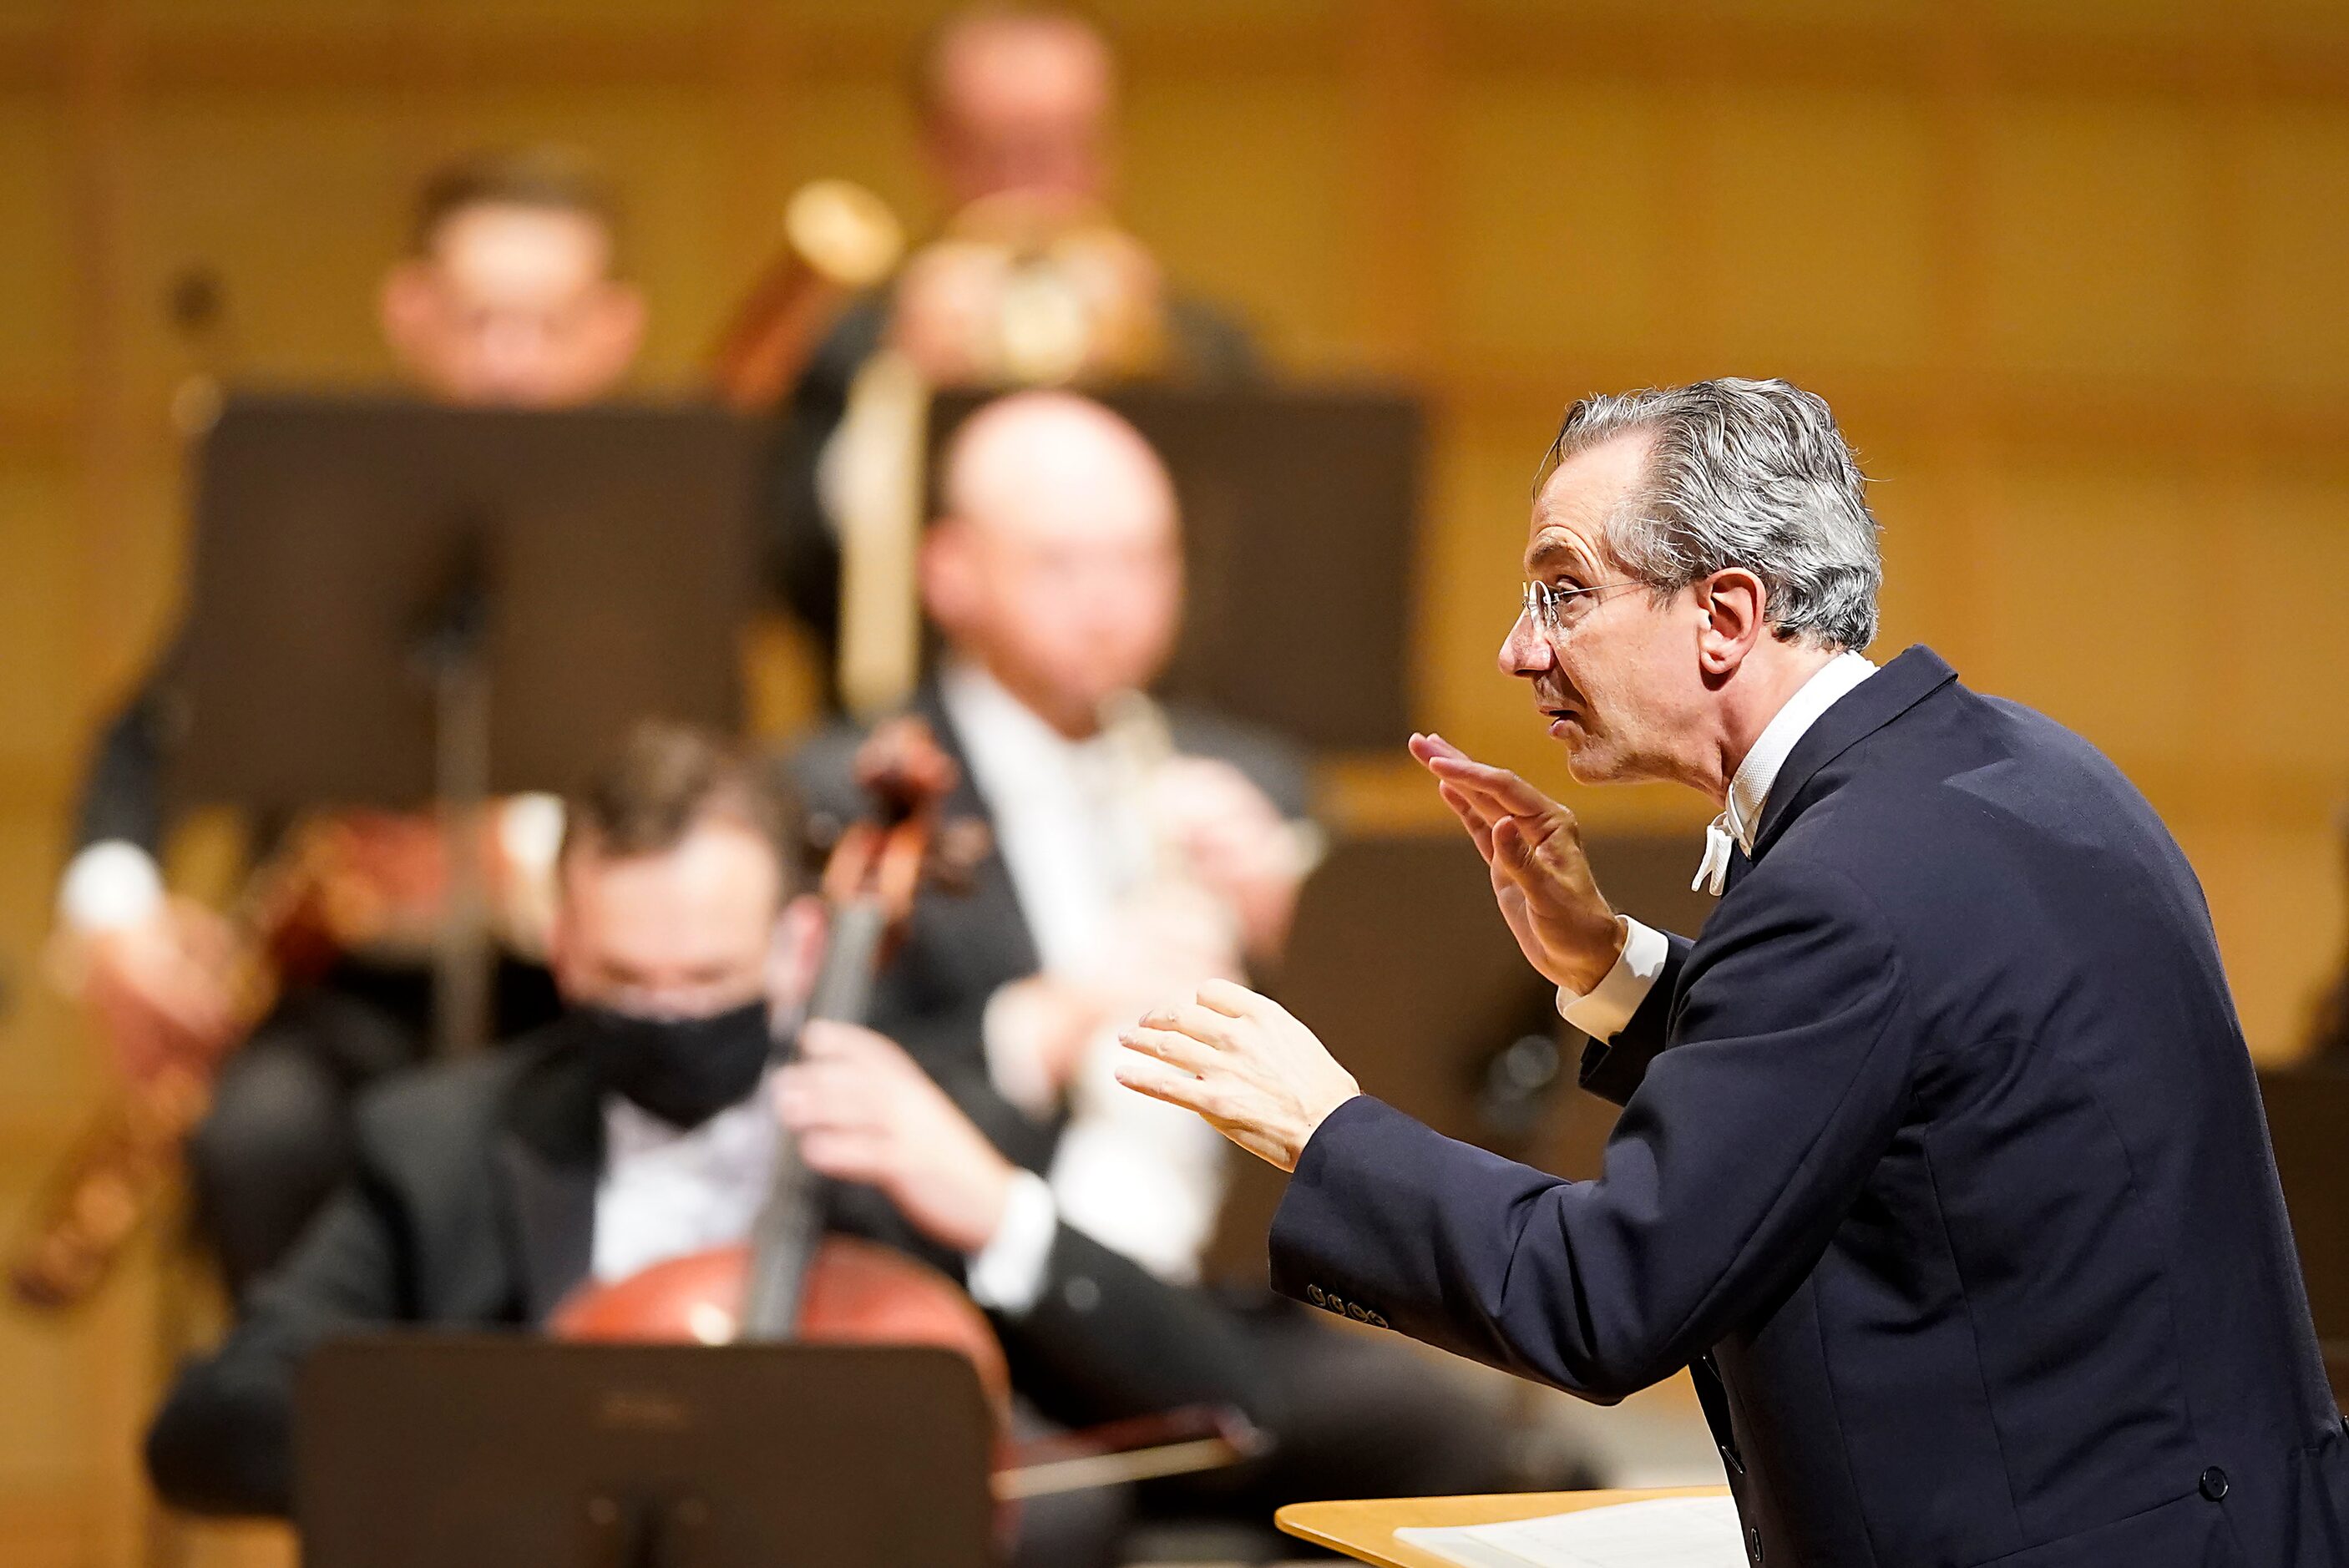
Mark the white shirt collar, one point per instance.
(1749, 791)
(999, 732)
(1749, 787)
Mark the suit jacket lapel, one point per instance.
(1867, 708)
(989, 915)
(550, 1156)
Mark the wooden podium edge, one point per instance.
(1365, 1529)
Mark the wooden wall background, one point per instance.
(2072, 272)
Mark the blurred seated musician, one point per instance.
(507, 298)
(1031, 282)
(642, 1124)
(1137, 850)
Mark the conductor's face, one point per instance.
(514, 306)
(686, 932)
(1614, 670)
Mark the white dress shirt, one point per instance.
(1609, 1005)
(1136, 1174)
(666, 1192)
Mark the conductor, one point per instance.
(1941, 1162)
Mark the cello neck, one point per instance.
(851, 956)
(790, 1226)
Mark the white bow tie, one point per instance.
(1713, 871)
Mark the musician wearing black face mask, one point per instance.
(641, 1126)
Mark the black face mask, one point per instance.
(683, 1070)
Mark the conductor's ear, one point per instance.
(1731, 605)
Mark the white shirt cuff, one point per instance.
(1610, 1005)
(110, 884)
(1008, 1274)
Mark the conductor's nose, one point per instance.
(1525, 652)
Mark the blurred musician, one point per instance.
(507, 298)
(1127, 865)
(1031, 282)
(635, 1128)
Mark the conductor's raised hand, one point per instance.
(1533, 847)
(1240, 1060)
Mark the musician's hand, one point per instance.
(862, 1111)
(1257, 1074)
(1047, 1022)
(1533, 847)
(389, 881)
(1235, 843)
(159, 987)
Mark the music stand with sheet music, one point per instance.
(395, 603)
(479, 1453)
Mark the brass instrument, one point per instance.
(839, 240)
(1025, 291)
(329, 890)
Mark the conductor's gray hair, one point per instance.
(1742, 473)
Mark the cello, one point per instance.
(791, 1281)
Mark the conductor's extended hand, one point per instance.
(1533, 847)
(1264, 1081)
(1258, 1075)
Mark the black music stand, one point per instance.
(394, 603)
(1300, 533)
(488, 1453)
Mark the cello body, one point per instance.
(857, 1293)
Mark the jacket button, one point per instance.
(2214, 1483)
(1735, 1465)
(1314, 1294)
(1753, 1542)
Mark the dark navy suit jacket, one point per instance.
(1941, 1158)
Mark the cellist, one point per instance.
(643, 1124)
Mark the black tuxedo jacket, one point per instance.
(473, 1205)
(1943, 1158)
(960, 948)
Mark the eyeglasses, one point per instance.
(1547, 606)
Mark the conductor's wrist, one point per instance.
(1581, 969)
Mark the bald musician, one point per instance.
(510, 296)
(1054, 579)
(1941, 1161)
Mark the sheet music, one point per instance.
(1663, 1532)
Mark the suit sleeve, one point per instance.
(1612, 1069)
(122, 792)
(947, 1045)
(1739, 1152)
(1107, 1339)
(223, 1440)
